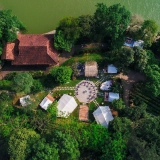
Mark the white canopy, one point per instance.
(103, 115)
(112, 69)
(138, 43)
(66, 105)
(106, 85)
(46, 101)
(112, 96)
(25, 100)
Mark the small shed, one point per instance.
(112, 96)
(66, 105)
(112, 69)
(83, 113)
(46, 101)
(25, 101)
(103, 115)
(91, 69)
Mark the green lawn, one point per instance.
(82, 58)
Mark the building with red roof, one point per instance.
(31, 49)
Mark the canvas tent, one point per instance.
(24, 101)
(46, 101)
(91, 69)
(66, 105)
(112, 69)
(112, 96)
(103, 115)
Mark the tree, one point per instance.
(67, 32)
(152, 85)
(135, 26)
(115, 149)
(136, 112)
(37, 86)
(120, 124)
(10, 25)
(125, 57)
(156, 46)
(52, 110)
(118, 104)
(151, 58)
(44, 150)
(140, 59)
(61, 74)
(112, 21)
(86, 22)
(148, 32)
(22, 82)
(20, 142)
(67, 145)
(61, 43)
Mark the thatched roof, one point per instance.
(91, 69)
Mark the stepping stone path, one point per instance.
(96, 103)
(63, 88)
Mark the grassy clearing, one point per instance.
(83, 57)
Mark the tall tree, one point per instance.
(22, 82)
(67, 32)
(148, 32)
(112, 21)
(125, 57)
(10, 25)
(140, 59)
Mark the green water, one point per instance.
(41, 16)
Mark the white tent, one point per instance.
(66, 105)
(138, 43)
(106, 85)
(112, 96)
(46, 101)
(25, 100)
(103, 115)
(112, 69)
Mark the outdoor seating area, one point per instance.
(86, 91)
(106, 85)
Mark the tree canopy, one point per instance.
(22, 82)
(148, 32)
(61, 74)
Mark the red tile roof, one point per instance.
(34, 50)
(8, 51)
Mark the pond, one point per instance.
(40, 16)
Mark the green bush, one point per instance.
(5, 85)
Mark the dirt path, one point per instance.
(128, 81)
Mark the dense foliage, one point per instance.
(22, 82)
(61, 74)
(9, 26)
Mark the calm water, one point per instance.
(41, 16)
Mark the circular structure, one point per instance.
(86, 91)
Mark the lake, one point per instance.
(40, 16)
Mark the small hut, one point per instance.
(91, 69)
(25, 101)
